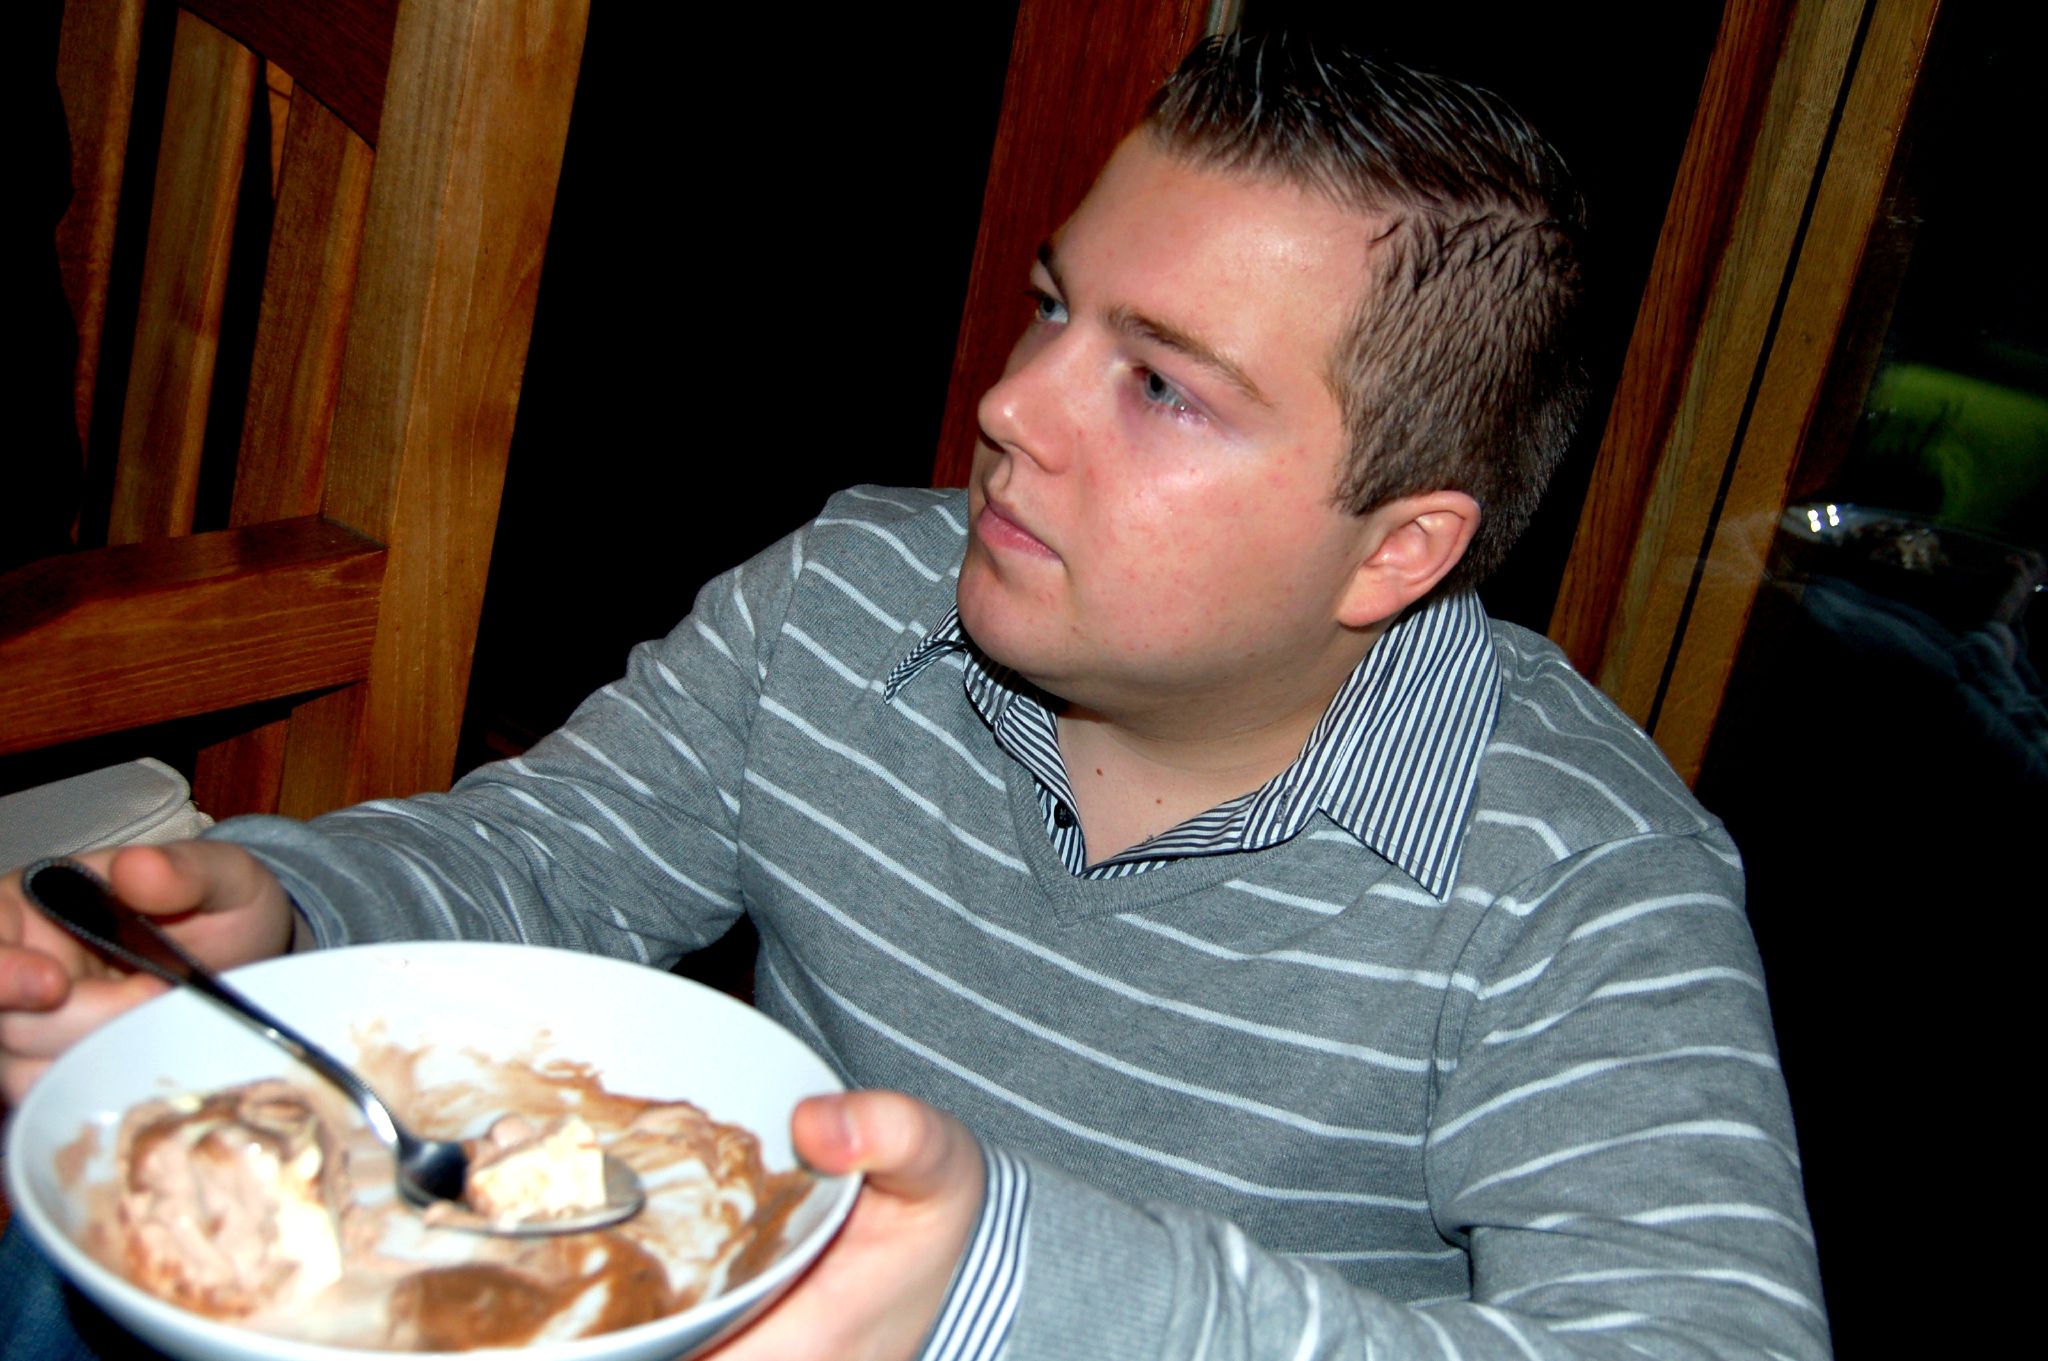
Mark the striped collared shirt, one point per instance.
(1394, 760)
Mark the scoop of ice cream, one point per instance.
(226, 1202)
(523, 1171)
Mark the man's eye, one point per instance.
(1048, 309)
(1163, 394)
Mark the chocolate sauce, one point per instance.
(511, 1291)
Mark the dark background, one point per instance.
(760, 247)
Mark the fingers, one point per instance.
(31, 980)
(161, 879)
(37, 960)
(222, 904)
(31, 1040)
(188, 876)
(90, 1003)
(225, 907)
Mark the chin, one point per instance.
(980, 615)
(998, 622)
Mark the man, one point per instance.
(1306, 967)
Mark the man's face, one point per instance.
(1153, 504)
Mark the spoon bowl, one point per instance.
(430, 1172)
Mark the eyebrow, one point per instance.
(1129, 321)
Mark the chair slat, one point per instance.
(342, 58)
(316, 242)
(145, 633)
(98, 49)
(418, 456)
(184, 280)
(277, 94)
(315, 245)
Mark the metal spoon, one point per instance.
(430, 1171)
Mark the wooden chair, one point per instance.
(1080, 74)
(414, 151)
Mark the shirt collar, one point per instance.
(1394, 760)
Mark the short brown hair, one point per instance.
(1460, 369)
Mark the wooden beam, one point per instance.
(1667, 333)
(184, 283)
(1787, 386)
(343, 67)
(1080, 74)
(1710, 420)
(98, 51)
(316, 242)
(422, 428)
(309, 284)
(138, 634)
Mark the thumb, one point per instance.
(903, 1146)
(186, 876)
(229, 909)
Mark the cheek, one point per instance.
(1194, 519)
(1173, 566)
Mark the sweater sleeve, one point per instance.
(617, 834)
(1611, 1145)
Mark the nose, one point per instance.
(1025, 412)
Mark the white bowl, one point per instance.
(645, 1033)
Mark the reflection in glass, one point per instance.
(1882, 756)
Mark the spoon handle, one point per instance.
(78, 900)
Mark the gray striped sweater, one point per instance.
(1284, 1103)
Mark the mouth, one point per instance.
(999, 529)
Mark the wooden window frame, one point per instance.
(1778, 199)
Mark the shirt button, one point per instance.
(1062, 816)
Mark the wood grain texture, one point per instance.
(390, 341)
(1711, 403)
(302, 327)
(98, 49)
(1860, 346)
(1788, 390)
(341, 55)
(1080, 74)
(1718, 413)
(1667, 333)
(294, 381)
(144, 633)
(184, 279)
(244, 773)
(277, 95)
(460, 200)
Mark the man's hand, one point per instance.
(875, 1292)
(222, 905)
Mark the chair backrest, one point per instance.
(414, 148)
(1079, 77)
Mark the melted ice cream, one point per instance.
(227, 1203)
(271, 1206)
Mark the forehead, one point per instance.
(1264, 270)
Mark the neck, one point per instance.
(1138, 772)
(1238, 760)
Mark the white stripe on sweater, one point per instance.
(1320, 1044)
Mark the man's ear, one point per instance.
(1408, 545)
